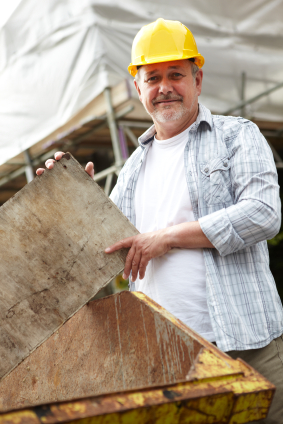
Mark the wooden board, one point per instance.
(53, 234)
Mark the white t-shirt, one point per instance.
(175, 280)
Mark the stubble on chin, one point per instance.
(169, 113)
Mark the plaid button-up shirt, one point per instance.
(232, 182)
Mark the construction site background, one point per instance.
(64, 82)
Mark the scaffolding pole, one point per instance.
(113, 128)
(28, 168)
(253, 99)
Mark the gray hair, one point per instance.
(194, 70)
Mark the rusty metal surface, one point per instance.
(116, 343)
(127, 341)
(207, 401)
(141, 407)
(54, 232)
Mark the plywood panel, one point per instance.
(53, 234)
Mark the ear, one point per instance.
(199, 77)
(138, 90)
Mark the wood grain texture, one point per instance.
(53, 234)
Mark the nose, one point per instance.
(165, 86)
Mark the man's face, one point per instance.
(168, 90)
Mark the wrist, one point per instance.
(171, 236)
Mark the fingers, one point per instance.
(137, 259)
(39, 171)
(127, 242)
(49, 163)
(128, 263)
(58, 155)
(142, 267)
(135, 265)
(90, 169)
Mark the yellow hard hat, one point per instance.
(163, 41)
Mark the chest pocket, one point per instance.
(216, 182)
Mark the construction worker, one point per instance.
(203, 192)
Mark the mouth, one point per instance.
(166, 102)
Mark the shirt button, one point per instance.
(225, 164)
(206, 169)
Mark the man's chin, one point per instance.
(168, 115)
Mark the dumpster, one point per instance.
(125, 359)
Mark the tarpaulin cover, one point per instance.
(57, 55)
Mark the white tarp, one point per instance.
(57, 55)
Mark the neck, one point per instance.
(166, 130)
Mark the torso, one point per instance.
(176, 280)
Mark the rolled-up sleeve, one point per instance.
(256, 212)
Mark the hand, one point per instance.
(143, 248)
(58, 155)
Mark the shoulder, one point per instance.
(236, 129)
(232, 123)
(227, 128)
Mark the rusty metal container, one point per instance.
(124, 359)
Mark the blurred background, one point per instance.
(64, 82)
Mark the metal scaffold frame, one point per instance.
(121, 130)
(242, 107)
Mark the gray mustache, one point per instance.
(161, 98)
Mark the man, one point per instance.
(203, 192)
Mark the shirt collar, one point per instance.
(204, 115)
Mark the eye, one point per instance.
(176, 75)
(152, 79)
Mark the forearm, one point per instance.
(241, 225)
(187, 235)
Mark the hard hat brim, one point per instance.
(132, 68)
